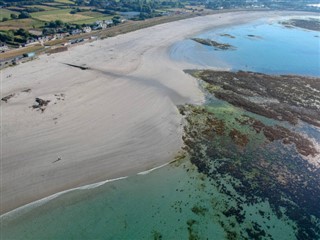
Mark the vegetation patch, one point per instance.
(63, 15)
(93, 14)
(65, 2)
(91, 20)
(42, 7)
(5, 13)
(27, 23)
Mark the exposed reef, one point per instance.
(227, 35)
(285, 98)
(310, 24)
(216, 45)
(254, 160)
(262, 164)
(254, 36)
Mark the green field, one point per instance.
(15, 8)
(44, 7)
(92, 14)
(86, 8)
(6, 13)
(53, 4)
(65, 2)
(26, 23)
(92, 20)
(61, 14)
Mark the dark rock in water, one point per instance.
(275, 133)
(199, 210)
(239, 138)
(227, 35)
(254, 36)
(216, 45)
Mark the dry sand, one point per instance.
(117, 119)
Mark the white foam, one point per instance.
(152, 169)
(28, 207)
(25, 208)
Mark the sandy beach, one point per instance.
(115, 119)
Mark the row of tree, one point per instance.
(15, 37)
(144, 6)
(21, 3)
(16, 16)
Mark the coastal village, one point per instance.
(28, 29)
(43, 26)
(51, 42)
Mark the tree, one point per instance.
(59, 23)
(6, 36)
(116, 20)
(13, 16)
(48, 31)
(24, 15)
(22, 32)
(5, 19)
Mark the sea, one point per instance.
(176, 201)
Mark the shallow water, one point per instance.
(272, 49)
(176, 201)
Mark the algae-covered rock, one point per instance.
(216, 45)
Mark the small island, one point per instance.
(309, 24)
(227, 35)
(216, 45)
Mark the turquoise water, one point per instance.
(176, 201)
(273, 49)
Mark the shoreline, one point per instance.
(37, 203)
(108, 138)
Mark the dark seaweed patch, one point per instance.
(265, 172)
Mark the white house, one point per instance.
(76, 31)
(108, 22)
(30, 42)
(103, 24)
(3, 47)
(86, 29)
